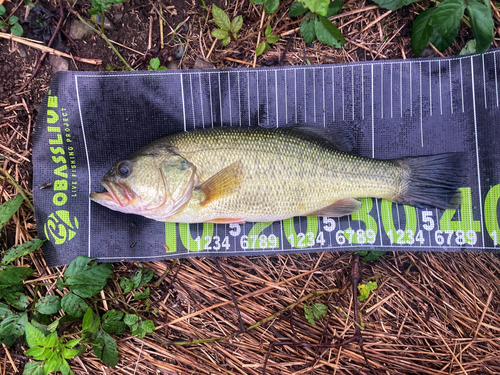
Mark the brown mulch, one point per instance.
(433, 313)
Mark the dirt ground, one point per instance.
(432, 313)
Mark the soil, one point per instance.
(136, 27)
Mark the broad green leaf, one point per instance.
(268, 31)
(48, 305)
(319, 310)
(37, 353)
(334, 7)
(148, 326)
(59, 284)
(142, 295)
(53, 363)
(12, 327)
(51, 340)
(126, 284)
(220, 34)
(33, 368)
(73, 305)
(482, 24)
(421, 31)
(99, 5)
(22, 250)
(236, 24)
(130, 319)
(296, 10)
(309, 315)
(372, 256)
(13, 20)
(17, 299)
(72, 343)
(273, 39)
(260, 48)
(226, 40)
(365, 289)
(34, 337)
(142, 276)
(442, 42)
(469, 48)
(53, 326)
(139, 332)
(88, 280)
(328, 33)
(2, 12)
(64, 368)
(69, 353)
(258, 2)
(28, 3)
(11, 276)
(78, 265)
(9, 208)
(154, 63)
(90, 322)
(272, 5)
(112, 322)
(317, 6)
(4, 311)
(105, 348)
(308, 29)
(221, 18)
(393, 4)
(17, 30)
(447, 15)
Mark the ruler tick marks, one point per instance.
(258, 99)
(286, 99)
(462, 85)
(352, 90)
(484, 84)
(401, 88)
(210, 95)
(362, 93)
(305, 101)
(183, 103)
(276, 94)
(267, 100)
(333, 93)
(373, 117)
(440, 90)
(295, 84)
(411, 93)
(451, 87)
(495, 67)
(421, 115)
(314, 93)
(430, 88)
(192, 101)
(477, 148)
(381, 90)
(220, 100)
(324, 104)
(343, 112)
(201, 102)
(230, 97)
(239, 97)
(248, 98)
(391, 90)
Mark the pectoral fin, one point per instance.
(222, 183)
(340, 208)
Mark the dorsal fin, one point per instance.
(334, 138)
(223, 182)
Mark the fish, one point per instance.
(238, 175)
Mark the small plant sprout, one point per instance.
(13, 23)
(100, 7)
(154, 64)
(316, 23)
(269, 38)
(270, 6)
(227, 27)
(365, 289)
(316, 311)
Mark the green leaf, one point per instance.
(126, 284)
(69, 353)
(73, 305)
(162, 68)
(148, 326)
(319, 310)
(469, 48)
(442, 42)
(447, 16)
(220, 34)
(4, 311)
(130, 319)
(421, 31)
(72, 343)
(11, 276)
(272, 5)
(38, 353)
(112, 322)
(221, 18)
(51, 340)
(319, 7)
(236, 24)
(53, 326)
(226, 40)
(309, 315)
(34, 337)
(481, 23)
(9, 208)
(87, 280)
(258, 2)
(12, 327)
(17, 299)
(22, 250)
(365, 289)
(59, 284)
(296, 10)
(260, 48)
(90, 322)
(33, 368)
(2, 24)
(273, 39)
(308, 29)
(64, 368)
(48, 305)
(154, 64)
(393, 4)
(268, 31)
(2, 12)
(28, 3)
(53, 363)
(142, 295)
(334, 7)
(373, 256)
(99, 5)
(13, 20)
(334, 37)
(105, 348)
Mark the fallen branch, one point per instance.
(49, 50)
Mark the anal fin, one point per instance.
(340, 208)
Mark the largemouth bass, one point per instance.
(235, 175)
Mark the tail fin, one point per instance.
(432, 180)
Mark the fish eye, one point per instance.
(124, 169)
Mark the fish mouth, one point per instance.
(115, 194)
